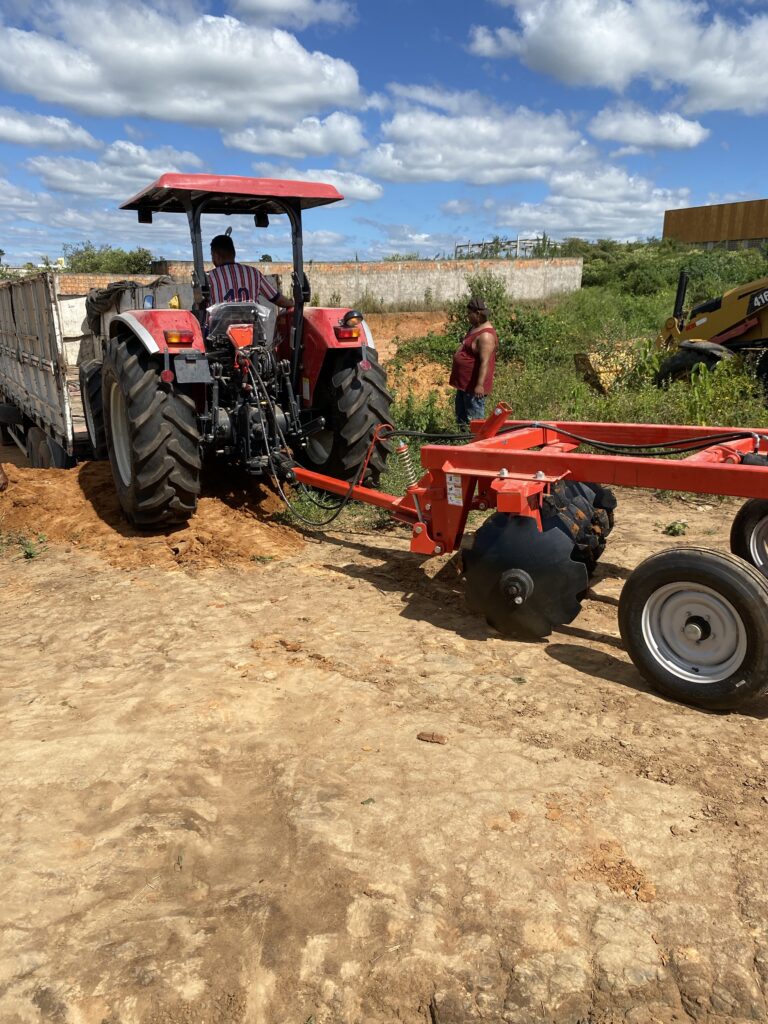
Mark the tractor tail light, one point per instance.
(177, 337)
(347, 333)
(167, 376)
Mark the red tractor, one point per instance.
(231, 381)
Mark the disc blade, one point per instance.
(507, 542)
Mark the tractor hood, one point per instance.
(173, 193)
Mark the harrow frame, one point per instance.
(512, 469)
(694, 621)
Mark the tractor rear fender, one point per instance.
(320, 340)
(718, 351)
(149, 327)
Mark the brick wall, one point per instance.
(81, 284)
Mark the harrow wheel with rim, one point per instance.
(525, 581)
(695, 623)
(749, 534)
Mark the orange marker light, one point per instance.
(178, 337)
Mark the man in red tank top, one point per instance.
(473, 364)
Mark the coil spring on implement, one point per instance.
(403, 453)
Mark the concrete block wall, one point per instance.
(417, 283)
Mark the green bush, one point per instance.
(431, 414)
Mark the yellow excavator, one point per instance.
(733, 324)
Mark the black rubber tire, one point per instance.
(752, 515)
(161, 438)
(354, 401)
(93, 407)
(38, 452)
(45, 453)
(680, 364)
(724, 575)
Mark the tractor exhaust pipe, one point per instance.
(682, 288)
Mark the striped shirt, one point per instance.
(236, 282)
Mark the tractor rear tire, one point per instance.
(680, 365)
(152, 437)
(354, 402)
(93, 407)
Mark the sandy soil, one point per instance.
(389, 329)
(216, 809)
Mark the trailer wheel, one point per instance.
(93, 406)
(152, 438)
(749, 534)
(45, 453)
(680, 365)
(695, 623)
(354, 401)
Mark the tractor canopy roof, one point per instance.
(171, 193)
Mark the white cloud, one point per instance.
(138, 60)
(19, 200)
(451, 101)
(299, 13)
(351, 185)
(405, 238)
(122, 169)
(338, 133)
(604, 203)
(640, 128)
(719, 63)
(457, 207)
(487, 148)
(39, 130)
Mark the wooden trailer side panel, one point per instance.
(32, 360)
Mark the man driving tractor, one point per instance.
(230, 281)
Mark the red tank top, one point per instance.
(466, 362)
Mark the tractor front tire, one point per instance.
(152, 438)
(681, 365)
(354, 402)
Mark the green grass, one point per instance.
(536, 375)
(18, 545)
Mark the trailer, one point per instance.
(46, 339)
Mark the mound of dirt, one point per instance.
(390, 328)
(80, 507)
(422, 378)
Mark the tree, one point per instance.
(87, 258)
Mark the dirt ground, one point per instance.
(390, 328)
(216, 809)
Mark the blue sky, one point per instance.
(439, 122)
